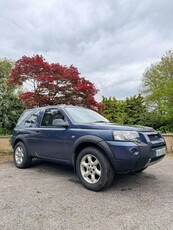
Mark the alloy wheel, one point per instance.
(90, 168)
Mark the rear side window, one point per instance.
(29, 118)
(24, 115)
(32, 120)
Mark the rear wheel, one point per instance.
(94, 169)
(21, 158)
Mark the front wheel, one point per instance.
(21, 158)
(94, 169)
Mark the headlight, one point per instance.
(126, 136)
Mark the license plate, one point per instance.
(160, 152)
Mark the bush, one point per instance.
(5, 132)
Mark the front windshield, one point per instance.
(82, 115)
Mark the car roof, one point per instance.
(54, 106)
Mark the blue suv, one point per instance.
(77, 136)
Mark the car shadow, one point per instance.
(122, 182)
(53, 168)
(133, 181)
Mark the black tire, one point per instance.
(20, 156)
(94, 169)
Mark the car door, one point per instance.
(49, 141)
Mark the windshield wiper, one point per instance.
(101, 121)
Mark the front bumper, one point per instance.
(131, 157)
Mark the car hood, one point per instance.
(111, 126)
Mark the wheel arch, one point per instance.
(22, 139)
(91, 141)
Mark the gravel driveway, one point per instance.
(49, 196)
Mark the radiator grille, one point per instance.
(154, 137)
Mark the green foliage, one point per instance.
(157, 88)
(158, 121)
(10, 107)
(4, 132)
(129, 111)
(134, 108)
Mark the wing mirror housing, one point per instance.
(60, 123)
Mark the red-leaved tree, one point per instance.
(50, 84)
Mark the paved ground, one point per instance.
(49, 196)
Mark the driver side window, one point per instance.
(50, 115)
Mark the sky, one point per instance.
(111, 42)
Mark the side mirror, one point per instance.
(60, 123)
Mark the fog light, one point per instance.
(134, 151)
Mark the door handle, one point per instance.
(37, 131)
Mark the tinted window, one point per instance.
(31, 121)
(50, 115)
(24, 115)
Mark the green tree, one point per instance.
(128, 111)
(155, 120)
(10, 107)
(157, 88)
(110, 108)
(134, 109)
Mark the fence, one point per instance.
(5, 146)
